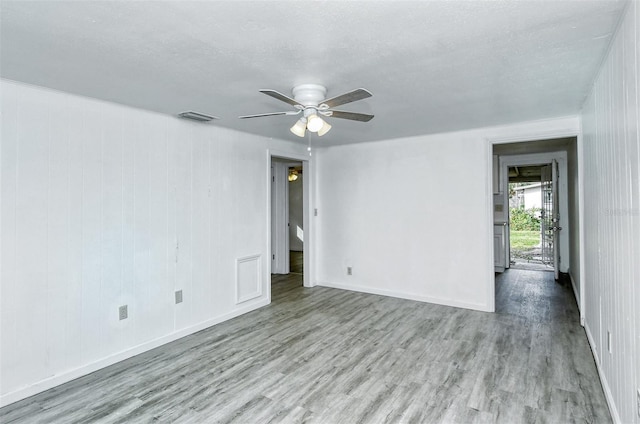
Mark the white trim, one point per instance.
(531, 158)
(575, 291)
(568, 126)
(408, 296)
(56, 380)
(308, 266)
(603, 380)
(534, 185)
(581, 230)
(491, 278)
(295, 157)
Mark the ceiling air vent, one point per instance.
(195, 116)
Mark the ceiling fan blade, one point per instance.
(281, 97)
(258, 115)
(362, 117)
(351, 96)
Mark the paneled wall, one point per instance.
(105, 205)
(611, 153)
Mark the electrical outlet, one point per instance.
(123, 313)
(349, 270)
(178, 296)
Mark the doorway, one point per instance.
(553, 212)
(289, 220)
(531, 210)
(558, 158)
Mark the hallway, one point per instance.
(536, 296)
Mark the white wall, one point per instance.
(402, 215)
(413, 217)
(611, 151)
(104, 205)
(533, 198)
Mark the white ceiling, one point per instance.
(432, 66)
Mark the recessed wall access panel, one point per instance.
(248, 278)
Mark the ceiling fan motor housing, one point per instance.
(309, 94)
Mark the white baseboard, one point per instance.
(605, 384)
(576, 294)
(575, 289)
(409, 296)
(56, 380)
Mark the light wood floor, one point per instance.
(324, 355)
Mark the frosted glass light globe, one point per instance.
(315, 123)
(299, 127)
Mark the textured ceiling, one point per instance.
(432, 66)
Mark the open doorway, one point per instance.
(289, 218)
(531, 244)
(552, 249)
(524, 169)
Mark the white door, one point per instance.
(499, 247)
(279, 218)
(549, 217)
(556, 218)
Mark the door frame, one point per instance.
(307, 198)
(508, 161)
(280, 215)
(534, 135)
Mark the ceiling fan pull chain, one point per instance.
(309, 138)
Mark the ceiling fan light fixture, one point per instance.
(299, 127)
(311, 101)
(325, 129)
(315, 123)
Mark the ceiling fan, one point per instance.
(309, 99)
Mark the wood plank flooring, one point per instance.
(296, 262)
(324, 355)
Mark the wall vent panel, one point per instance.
(248, 278)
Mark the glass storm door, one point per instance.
(549, 216)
